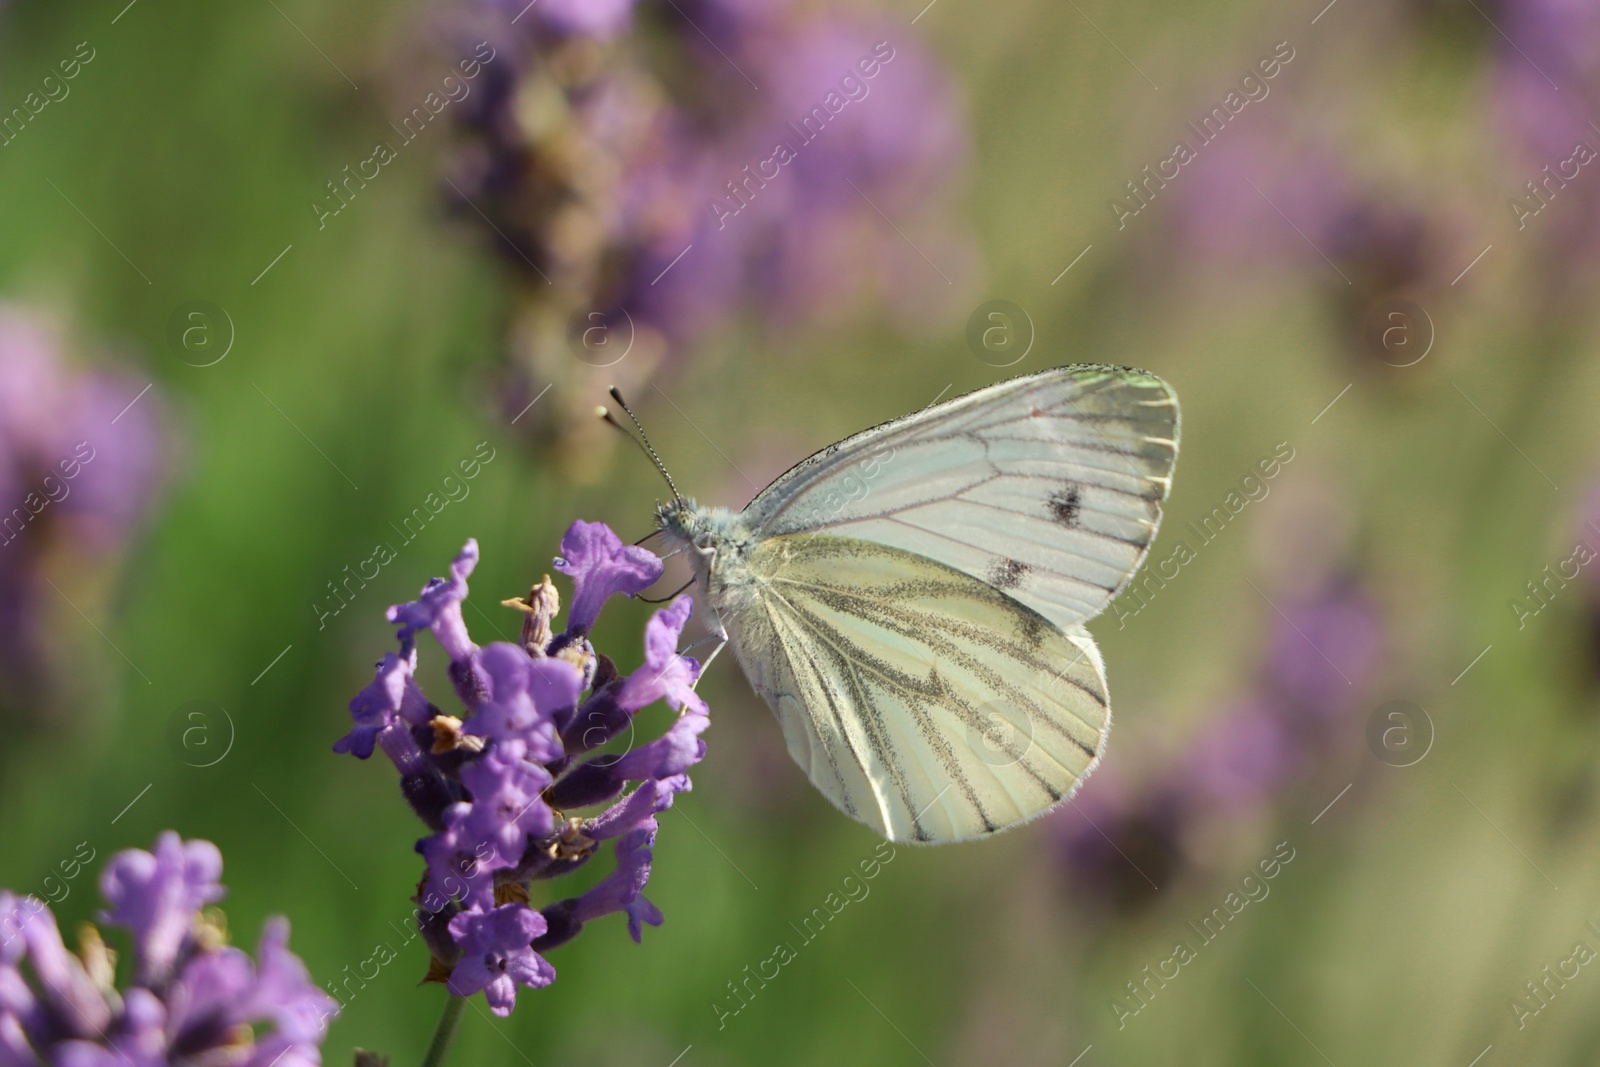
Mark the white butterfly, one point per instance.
(911, 600)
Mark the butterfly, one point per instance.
(910, 601)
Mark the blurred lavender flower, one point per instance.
(1231, 211)
(1546, 79)
(80, 465)
(1324, 652)
(646, 190)
(1547, 72)
(1260, 199)
(1119, 843)
(495, 784)
(191, 998)
(1322, 657)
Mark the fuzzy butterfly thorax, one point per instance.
(719, 542)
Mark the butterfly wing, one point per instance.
(1047, 487)
(920, 700)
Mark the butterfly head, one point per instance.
(706, 531)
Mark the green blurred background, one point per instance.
(1417, 906)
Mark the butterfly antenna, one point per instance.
(643, 440)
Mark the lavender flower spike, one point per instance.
(191, 999)
(522, 757)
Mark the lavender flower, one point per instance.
(1260, 199)
(1324, 651)
(156, 896)
(496, 955)
(1546, 85)
(599, 19)
(496, 783)
(79, 468)
(1547, 74)
(1321, 659)
(644, 190)
(1119, 844)
(192, 999)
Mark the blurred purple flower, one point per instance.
(1244, 756)
(1324, 653)
(649, 170)
(1260, 199)
(156, 895)
(1320, 663)
(601, 19)
(1547, 72)
(82, 458)
(1120, 845)
(496, 783)
(1546, 79)
(1588, 533)
(192, 1000)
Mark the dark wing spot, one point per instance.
(1064, 505)
(1007, 573)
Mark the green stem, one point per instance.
(447, 1030)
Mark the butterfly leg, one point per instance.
(722, 643)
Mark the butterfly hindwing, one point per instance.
(1047, 487)
(920, 700)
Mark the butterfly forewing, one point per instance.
(921, 700)
(1046, 487)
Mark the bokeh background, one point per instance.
(1373, 279)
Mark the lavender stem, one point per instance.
(448, 1022)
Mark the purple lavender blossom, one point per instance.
(1119, 840)
(1120, 845)
(1246, 754)
(600, 565)
(1232, 202)
(1547, 73)
(702, 157)
(80, 464)
(665, 675)
(192, 999)
(623, 889)
(526, 700)
(496, 956)
(1324, 652)
(156, 895)
(497, 783)
(1546, 88)
(599, 19)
